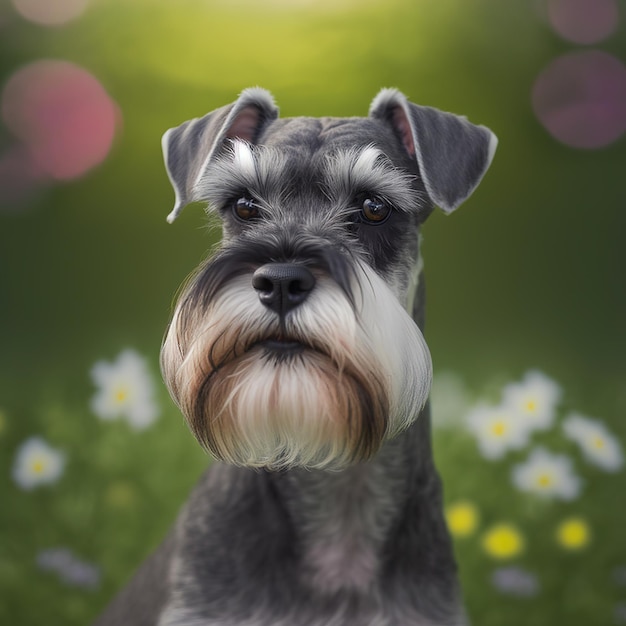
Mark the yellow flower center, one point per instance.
(462, 518)
(598, 443)
(544, 480)
(121, 394)
(503, 541)
(573, 534)
(38, 466)
(499, 428)
(531, 406)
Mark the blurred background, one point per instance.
(528, 276)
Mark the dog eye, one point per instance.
(375, 211)
(245, 209)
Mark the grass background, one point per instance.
(528, 274)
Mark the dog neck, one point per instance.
(344, 519)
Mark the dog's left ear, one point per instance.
(452, 154)
(188, 148)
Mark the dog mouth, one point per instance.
(281, 346)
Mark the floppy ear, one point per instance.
(452, 154)
(188, 148)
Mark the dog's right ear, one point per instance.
(188, 148)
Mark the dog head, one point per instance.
(293, 345)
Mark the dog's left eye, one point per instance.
(245, 209)
(374, 211)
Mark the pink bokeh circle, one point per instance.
(580, 98)
(62, 114)
(583, 21)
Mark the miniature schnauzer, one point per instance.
(296, 355)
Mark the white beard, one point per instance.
(363, 376)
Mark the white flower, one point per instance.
(534, 400)
(69, 568)
(497, 430)
(125, 389)
(37, 463)
(619, 613)
(598, 445)
(449, 399)
(547, 475)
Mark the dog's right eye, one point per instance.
(245, 209)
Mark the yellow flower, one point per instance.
(503, 541)
(120, 495)
(462, 518)
(573, 534)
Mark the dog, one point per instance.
(296, 355)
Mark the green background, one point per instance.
(529, 273)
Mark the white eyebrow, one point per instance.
(243, 158)
(242, 168)
(368, 169)
(366, 161)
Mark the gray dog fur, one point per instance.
(296, 540)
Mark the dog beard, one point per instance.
(359, 373)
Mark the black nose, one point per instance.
(283, 286)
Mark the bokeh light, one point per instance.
(63, 116)
(583, 21)
(50, 12)
(580, 98)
